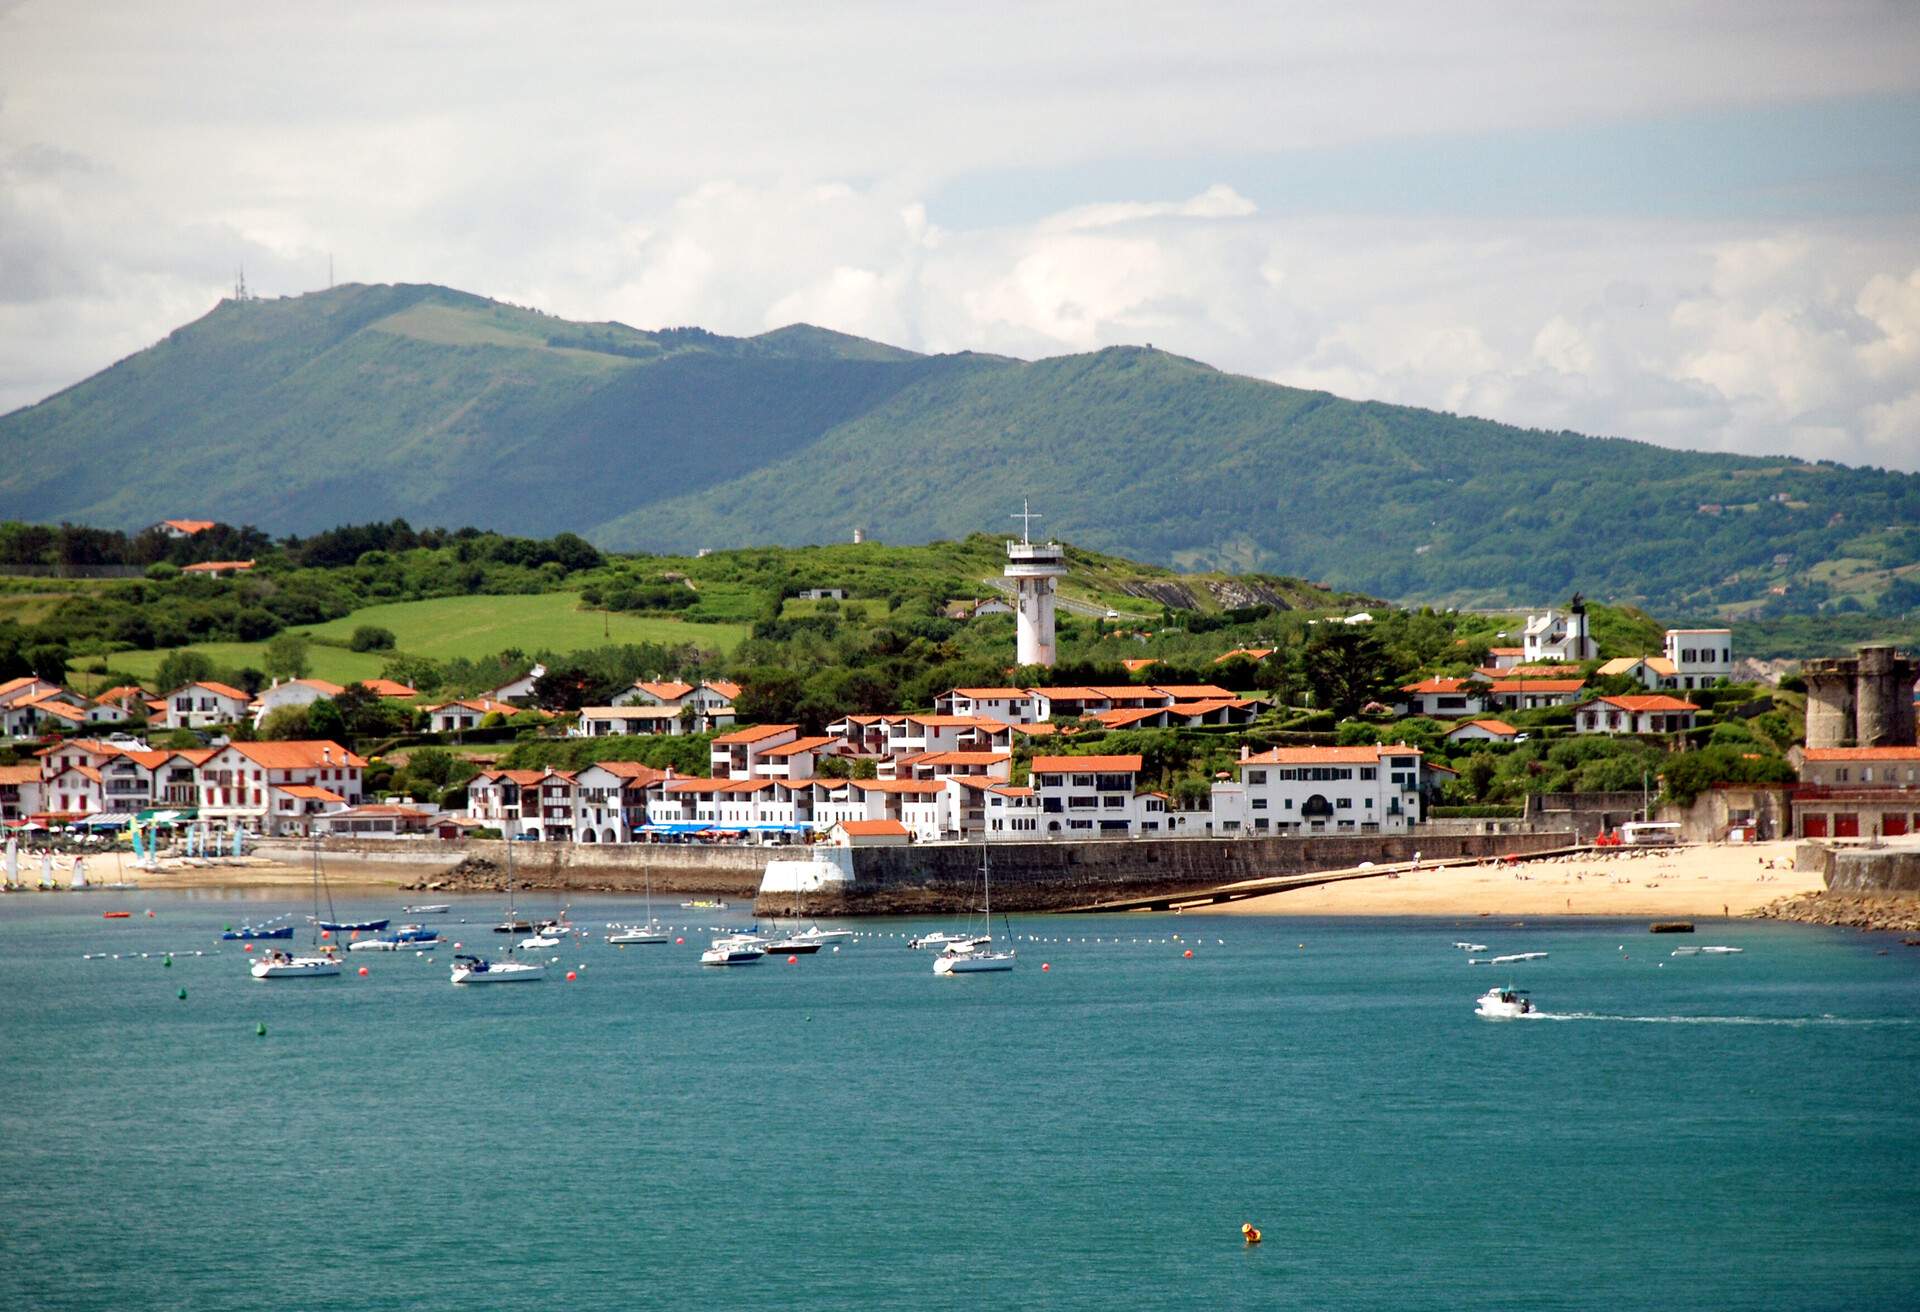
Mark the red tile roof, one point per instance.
(1500, 727)
(1863, 753)
(873, 828)
(755, 734)
(388, 688)
(1539, 685)
(1327, 755)
(1083, 764)
(188, 526)
(1648, 702)
(300, 755)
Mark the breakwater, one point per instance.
(1874, 888)
(945, 877)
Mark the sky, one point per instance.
(1694, 224)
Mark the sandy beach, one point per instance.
(228, 872)
(1695, 881)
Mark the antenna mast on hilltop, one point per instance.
(240, 284)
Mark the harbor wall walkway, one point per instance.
(942, 878)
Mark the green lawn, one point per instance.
(334, 664)
(481, 626)
(454, 626)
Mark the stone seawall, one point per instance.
(945, 878)
(587, 867)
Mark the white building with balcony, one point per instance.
(1086, 796)
(1322, 790)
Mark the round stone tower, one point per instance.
(1883, 699)
(1830, 716)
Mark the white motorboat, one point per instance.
(478, 970)
(1504, 1004)
(733, 952)
(1465, 946)
(1506, 960)
(284, 965)
(973, 954)
(824, 935)
(648, 933)
(938, 940)
(540, 940)
(1721, 951)
(429, 909)
(703, 904)
(401, 942)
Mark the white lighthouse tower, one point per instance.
(1033, 566)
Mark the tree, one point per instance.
(1345, 666)
(286, 723)
(49, 662)
(371, 637)
(179, 668)
(286, 656)
(324, 718)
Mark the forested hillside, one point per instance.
(380, 402)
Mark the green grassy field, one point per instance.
(334, 664)
(481, 626)
(454, 626)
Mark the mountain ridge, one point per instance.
(439, 406)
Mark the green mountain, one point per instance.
(414, 401)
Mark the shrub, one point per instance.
(371, 637)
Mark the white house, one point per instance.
(73, 791)
(1491, 731)
(1558, 636)
(453, 717)
(1651, 713)
(293, 692)
(1532, 694)
(1700, 657)
(277, 788)
(1444, 698)
(706, 706)
(1013, 705)
(608, 721)
(869, 833)
(1086, 796)
(1313, 790)
(1651, 671)
(205, 704)
(25, 688)
(520, 687)
(19, 791)
(735, 755)
(507, 800)
(1012, 813)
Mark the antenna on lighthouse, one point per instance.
(1026, 518)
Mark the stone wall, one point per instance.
(1881, 870)
(589, 867)
(945, 878)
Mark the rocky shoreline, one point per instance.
(1863, 911)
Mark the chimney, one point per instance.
(1244, 751)
(326, 753)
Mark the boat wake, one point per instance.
(1791, 1021)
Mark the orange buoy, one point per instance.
(679, 940)
(571, 975)
(1247, 1231)
(326, 933)
(1189, 952)
(1046, 965)
(793, 961)
(246, 947)
(363, 972)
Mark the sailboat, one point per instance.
(797, 943)
(652, 932)
(976, 956)
(13, 861)
(275, 964)
(471, 969)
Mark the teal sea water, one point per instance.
(852, 1132)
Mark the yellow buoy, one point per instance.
(1252, 1235)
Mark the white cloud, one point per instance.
(745, 167)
